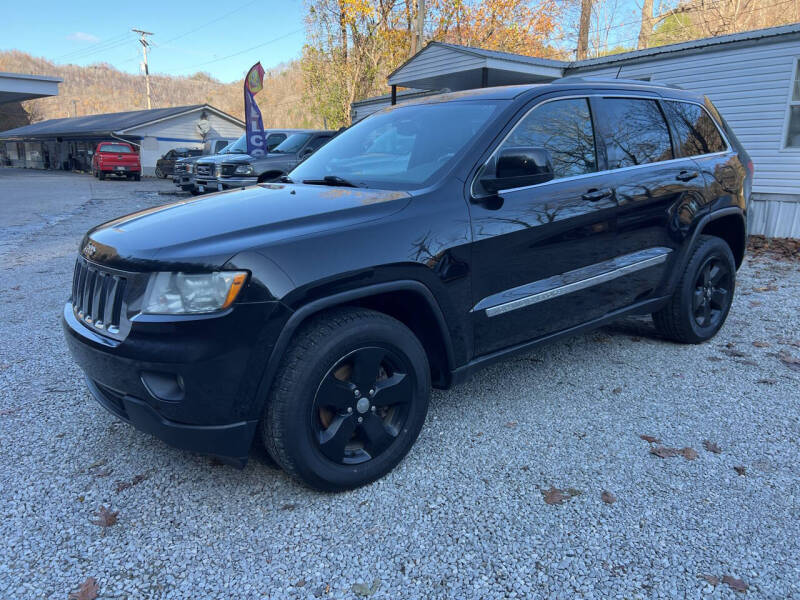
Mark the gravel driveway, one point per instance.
(465, 515)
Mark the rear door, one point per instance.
(698, 137)
(651, 185)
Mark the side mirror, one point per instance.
(519, 166)
(90, 152)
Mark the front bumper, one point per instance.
(191, 383)
(237, 182)
(207, 184)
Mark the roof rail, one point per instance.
(584, 79)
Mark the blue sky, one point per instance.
(200, 35)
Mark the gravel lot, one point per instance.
(464, 516)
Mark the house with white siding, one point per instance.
(753, 78)
(66, 143)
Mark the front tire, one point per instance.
(348, 401)
(704, 294)
(160, 173)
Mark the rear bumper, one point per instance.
(120, 169)
(193, 384)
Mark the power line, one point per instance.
(199, 27)
(277, 39)
(94, 48)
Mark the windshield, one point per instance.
(399, 148)
(293, 143)
(237, 147)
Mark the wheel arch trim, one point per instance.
(683, 258)
(304, 312)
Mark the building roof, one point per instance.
(743, 38)
(451, 66)
(15, 87)
(104, 124)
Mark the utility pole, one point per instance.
(145, 44)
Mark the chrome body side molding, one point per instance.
(571, 281)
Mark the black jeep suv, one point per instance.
(420, 244)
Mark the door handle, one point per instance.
(686, 175)
(594, 194)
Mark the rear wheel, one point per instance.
(703, 296)
(349, 399)
(160, 173)
(100, 175)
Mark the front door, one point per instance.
(537, 249)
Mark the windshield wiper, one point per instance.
(334, 180)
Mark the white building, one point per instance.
(65, 143)
(753, 78)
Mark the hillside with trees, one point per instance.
(100, 88)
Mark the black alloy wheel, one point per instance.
(362, 405)
(712, 292)
(159, 173)
(349, 399)
(703, 295)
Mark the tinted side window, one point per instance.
(563, 128)
(696, 131)
(635, 132)
(318, 143)
(274, 139)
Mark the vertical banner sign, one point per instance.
(254, 125)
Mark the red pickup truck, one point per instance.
(116, 158)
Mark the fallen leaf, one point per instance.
(363, 590)
(124, 485)
(525, 468)
(711, 447)
(740, 469)
(663, 452)
(87, 591)
(754, 303)
(651, 439)
(714, 358)
(105, 518)
(766, 288)
(103, 473)
(689, 453)
(300, 583)
(288, 506)
(97, 463)
(608, 497)
(767, 381)
(735, 584)
(617, 390)
(10, 411)
(511, 424)
(711, 579)
(790, 361)
(734, 353)
(759, 344)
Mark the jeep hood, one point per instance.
(206, 232)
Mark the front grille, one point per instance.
(179, 168)
(98, 296)
(205, 170)
(228, 170)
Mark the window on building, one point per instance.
(793, 119)
(635, 132)
(695, 129)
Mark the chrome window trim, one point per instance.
(728, 149)
(630, 263)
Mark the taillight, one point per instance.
(750, 167)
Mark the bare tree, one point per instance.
(646, 29)
(583, 29)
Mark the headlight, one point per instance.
(188, 167)
(191, 293)
(218, 170)
(245, 170)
